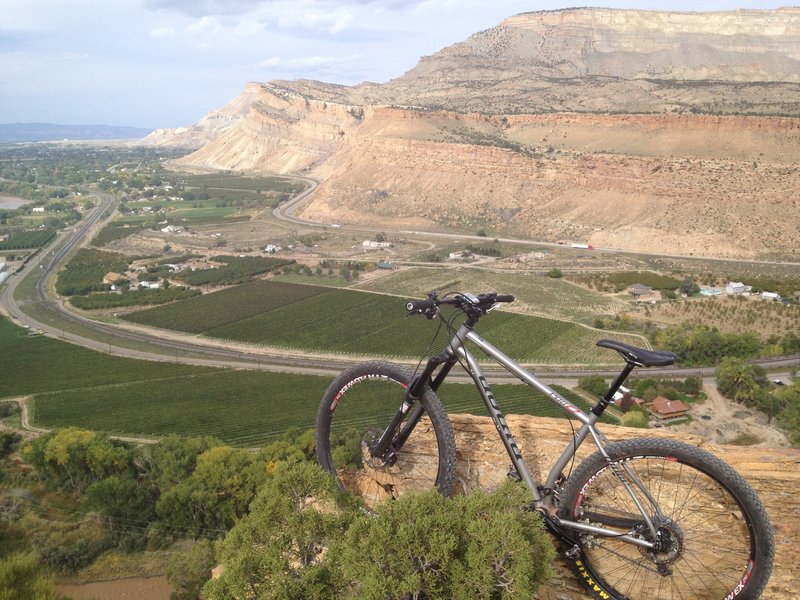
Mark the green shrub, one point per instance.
(295, 544)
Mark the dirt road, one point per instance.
(720, 421)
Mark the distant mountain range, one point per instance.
(46, 132)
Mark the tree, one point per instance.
(173, 459)
(217, 493)
(635, 418)
(594, 384)
(555, 273)
(689, 287)
(75, 457)
(123, 499)
(280, 547)
(741, 382)
(789, 418)
(187, 572)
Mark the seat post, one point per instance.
(599, 408)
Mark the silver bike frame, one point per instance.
(588, 421)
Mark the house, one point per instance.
(38, 209)
(385, 264)
(112, 277)
(736, 287)
(665, 410)
(372, 244)
(171, 229)
(272, 248)
(629, 401)
(625, 399)
(771, 296)
(150, 285)
(638, 290)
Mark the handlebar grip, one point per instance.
(504, 298)
(420, 306)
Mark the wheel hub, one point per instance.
(668, 543)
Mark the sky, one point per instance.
(166, 63)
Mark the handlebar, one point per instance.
(474, 305)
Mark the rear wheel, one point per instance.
(714, 539)
(353, 415)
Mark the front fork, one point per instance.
(392, 440)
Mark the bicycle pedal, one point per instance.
(513, 475)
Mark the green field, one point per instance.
(322, 319)
(33, 365)
(242, 408)
(73, 386)
(237, 269)
(242, 182)
(19, 240)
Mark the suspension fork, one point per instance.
(391, 440)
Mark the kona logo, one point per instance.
(502, 427)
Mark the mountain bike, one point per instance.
(645, 518)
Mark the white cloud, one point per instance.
(314, 16)
(249, 27)
(162, 32)
(273, 61)
(205, 26)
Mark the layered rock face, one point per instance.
(774, 473)
(648, 131)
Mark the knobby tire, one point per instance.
(355, 411)
(721, 544)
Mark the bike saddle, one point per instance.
(639, 356)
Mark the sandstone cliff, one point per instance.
(775, 473)
(650, 131)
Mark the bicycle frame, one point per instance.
(456, 351)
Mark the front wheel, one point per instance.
(353, 415)
(713, 537)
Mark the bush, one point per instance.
(635, 418)
(22, 576)
(295, 544)
(485, 545)
(594, 384)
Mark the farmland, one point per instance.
(241, 408)
(86, 270)
(345, 321)
(35, 238)
(42, 364)
(535, 293)
(77, 387)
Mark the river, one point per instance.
(134, 588)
